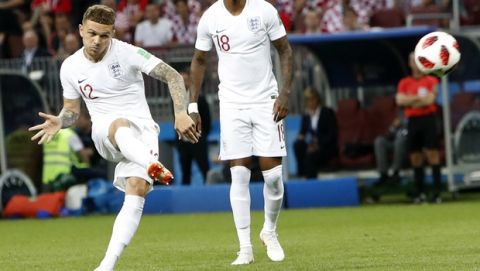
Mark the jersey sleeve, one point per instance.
(141, 59)
(69, 89)
(204, 41)
(273, 23)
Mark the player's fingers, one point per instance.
(44, 137)
(36, 127)
(192, 135)
(44, 115)
(49, 138)
(37, 135)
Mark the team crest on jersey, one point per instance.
(115, 70)
(253, 23)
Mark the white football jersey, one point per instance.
(243, 48)
(112, 87)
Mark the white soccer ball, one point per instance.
(437, 53)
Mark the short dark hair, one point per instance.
(100, 14)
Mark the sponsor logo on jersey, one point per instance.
(253, 23)
(115, 70)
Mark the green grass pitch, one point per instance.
(380, 237)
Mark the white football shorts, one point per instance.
(250, 131)
(146, 131)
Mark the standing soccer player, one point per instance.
(251, 107)
(107, 74)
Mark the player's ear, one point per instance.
(80, 30)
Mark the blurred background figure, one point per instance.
(10, 27)
(197, 152)
(316, 143)
(312, 22)
(133, 10)
(417, 93)
(185, 23)
(71, 44)
(394, 141)
(60, 156)
(122, 25)
(32, 50)
(154, 31)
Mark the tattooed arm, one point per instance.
(280, 109)
(70, 112)
(52, 124)
(184, 125)
(167, 74)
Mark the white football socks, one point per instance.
(132, 148)
(124, 228)
(240, 201)
(273, 196)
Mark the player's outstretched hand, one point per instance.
(46, 130)
(198, 121)
(185, 127)
(280, 108)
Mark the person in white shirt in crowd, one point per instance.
(154, 31)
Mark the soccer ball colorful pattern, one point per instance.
(437, 53)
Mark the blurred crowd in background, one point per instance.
(159, 23)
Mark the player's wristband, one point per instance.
(192, 108)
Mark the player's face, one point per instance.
(96, 38)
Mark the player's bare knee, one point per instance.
(137, 186)
(267, 163)
(245, 162)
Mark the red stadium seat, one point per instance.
(382, 113)
(353, 136)
(387, 18)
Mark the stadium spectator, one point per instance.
(350, 20)
(394, 140)
(107, 74)
(184, 23)
(71, 44)
(10, 27)
(316, 143)
(32, 50)
(134, 11)
(64, 153)
(154, 31)
(251, 107)
(62, 27)
(122, 26)
(312, 22)
(48, 6)
(197, 152)
(169, 9)
(417, 94)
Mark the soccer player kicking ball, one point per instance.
(107, 74)
(251, 107)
